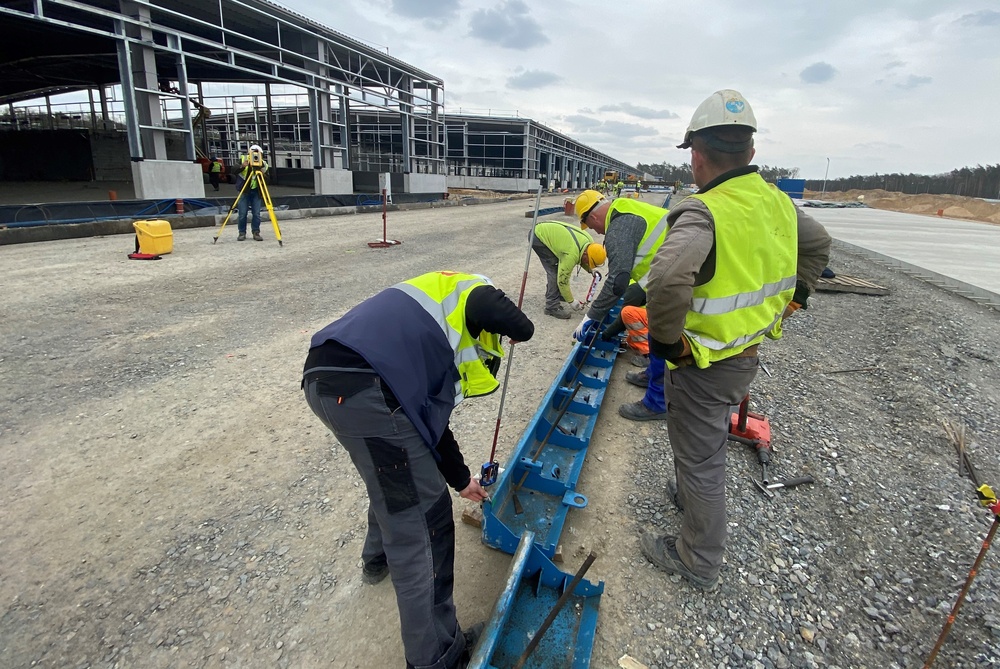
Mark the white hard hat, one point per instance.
(722, 108)
(256, 147)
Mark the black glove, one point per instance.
(801, 295)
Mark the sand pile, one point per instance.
(950, 206)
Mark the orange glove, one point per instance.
(791, 309)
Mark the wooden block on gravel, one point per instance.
(850, 284)
(558, 555)
(629, 662)
(473, 517)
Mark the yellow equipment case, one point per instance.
(154, 237)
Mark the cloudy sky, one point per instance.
(894, 85)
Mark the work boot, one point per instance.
(640, 379)
(639, 411)
(374, 572)
(471, 641)
(242, 237)
(562, 311)
(639, 360)
(661, 550)
(671, 496)
(257, 237)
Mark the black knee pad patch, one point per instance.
(441, 527)
(392, 467)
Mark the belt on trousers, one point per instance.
(749, 352)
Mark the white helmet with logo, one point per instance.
(723, 108)
(256, 147)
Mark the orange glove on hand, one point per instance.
(791, 309)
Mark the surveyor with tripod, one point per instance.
(254, 168)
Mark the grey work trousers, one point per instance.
(548, 259)
(699, 403)
(409, 515)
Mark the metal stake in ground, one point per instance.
(989, 500)
(385, 242)
(491, 468)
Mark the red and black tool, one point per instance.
(753, 429)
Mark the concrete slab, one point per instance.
(967, 251)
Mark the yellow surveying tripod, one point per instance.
(255, 163)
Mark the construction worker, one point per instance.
(739, 258)
(561, 247)
(633, 231)
(251, 198)
(618, 188)
(385, 378)
(215, 172)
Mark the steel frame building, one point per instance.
(367, 111)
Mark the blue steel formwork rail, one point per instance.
(533, 587)
(545, 484)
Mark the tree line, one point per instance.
(978, 181)
(673, 173)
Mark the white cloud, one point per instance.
(937, 64)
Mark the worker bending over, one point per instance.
(633, 231)
(385, 378)
(740, 256)
(561, 248)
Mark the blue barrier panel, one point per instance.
(533, 587)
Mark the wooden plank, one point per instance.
(473, 517)
(843, 283)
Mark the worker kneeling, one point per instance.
(561, 247)
(385, 378)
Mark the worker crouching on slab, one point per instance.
(385, 378)
(561, 248)
(739, 258)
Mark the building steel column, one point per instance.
(142, 74)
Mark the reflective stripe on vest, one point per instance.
(443, 295)
(756, 254)
(656, 232)
(246, 171)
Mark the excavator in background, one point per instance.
(204, 113)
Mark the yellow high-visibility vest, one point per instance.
(443, 295)
(756, 257)
(656, 232)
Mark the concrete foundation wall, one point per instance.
(166, 179)
(494, 183)
(425, 183)
(329, 181)
(109, 149)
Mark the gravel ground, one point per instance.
(861, 568)
(169, 500)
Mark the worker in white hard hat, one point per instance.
(254, 168)
(740, 257)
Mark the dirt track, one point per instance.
(169, 500)
(167, 493)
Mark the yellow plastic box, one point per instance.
(154, 237)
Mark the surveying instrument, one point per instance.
(255, 166)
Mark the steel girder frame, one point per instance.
(209, 50)
(556, 145)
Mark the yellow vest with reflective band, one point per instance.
(656, 232)
(443, 295)
(756, 256)
(246, 170)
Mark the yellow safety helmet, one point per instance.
(595, 254)
(586, 201)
